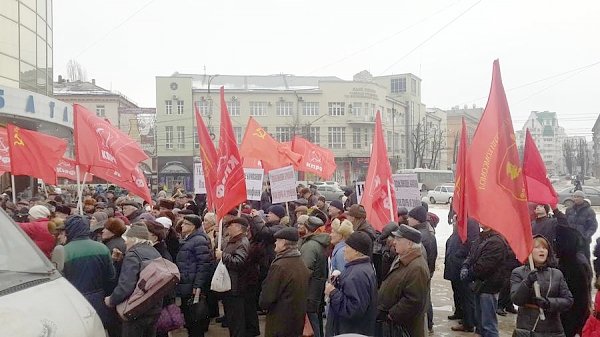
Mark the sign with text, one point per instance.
(254, 180)
(283, 184)
(407, 190)
(360, 188)
(199, 182)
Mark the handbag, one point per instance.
(221, 282)
(170, 319)
(198, 307)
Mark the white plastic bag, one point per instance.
(221, 282)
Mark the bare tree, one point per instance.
(437, 144)
(418, 142)
(75, 71)
(569, 154)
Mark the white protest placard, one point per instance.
(407, 190)
(283, 184)
(360, 189)
(254, 180)
(199, 182)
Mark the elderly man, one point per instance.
(402, 298)
(132, 210)
(285, 288)
(583, 218)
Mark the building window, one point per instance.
(312, 134)
(398, 85)
(413, 86)
(100, 111)
(356, 109)
(168, 137)
(283, 134)
(233, 107)
(388, 141)
(337, 138)
(196, 140)
(310, 109)
(181, 137)
(203, 107)
(180, 107)
(367, 138)
(356, 138)
(258, 108)
(284, 108)
(238, 134)
(169, 107)
(336, 108)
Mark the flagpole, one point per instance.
(389, 192)
(220, 238)
(287, 208)
(14, 190)
(240, 210)
(536, 287)
(44, 188)
(78, 189)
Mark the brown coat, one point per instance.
(284, 294)
(403, 294)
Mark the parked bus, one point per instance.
(429, 179)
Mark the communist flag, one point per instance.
(133, 181)
(315, 159)
(66, 168)
(258, 144)
(34, 154)
(381, 207)
(538, 186)
(230, 190)
(100, 144)
(4, 153)
(208, 153)
(495, 185)
(458, 199)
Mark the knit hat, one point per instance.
(579, 193)
(361, 242)
(39, 212)
(166, 222)
(337, 204)
(388, 229)
(287, 233)
(115, 226)
(418, 213)
(408, 233)
(138, 230)
(277, 210)
(303, 219)
(313, 223)
(402, 211)
(357, 211)
(344, 228)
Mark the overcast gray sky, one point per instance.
(547, 48)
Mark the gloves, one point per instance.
(531, 278)
(464, 274)
(542, 302)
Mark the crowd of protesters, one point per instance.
(315, 269)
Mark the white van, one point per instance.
(35, 300)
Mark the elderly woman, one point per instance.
(555, 294)
(340, 231)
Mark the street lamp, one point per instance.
(210, 101)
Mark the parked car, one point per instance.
(327, 183)
(441, 193)
(330, 192)
(565, 196)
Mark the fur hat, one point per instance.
(115, 226)
(301, 210)
(344, 228)
(357, 211)
(166, 203)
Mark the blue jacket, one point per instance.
(353, 304)
(337, 257)
(196, 263)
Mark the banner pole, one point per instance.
(14, 190)
(239, 210)
(220, 238)
(536, 287)
(44, 188)
(389, 192)
(287, 208)
(79, 190)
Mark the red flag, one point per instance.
(208, 154)
(381, 207)
(134, 181)
(100, 144)
(538, 186)
(34, 154)
(4, 154)
(495, 184)
(230, 190)
(258, 144)
(66, 168)
(315, 159)
(458, 199)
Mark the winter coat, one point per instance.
(196, 262)
(597, 257)
(403, 295)
(38, 232)
(118, 243)
(312, 252)
(486, 261)
(235, 256)
(545, 227)
(337, 257)
(430, 243)
(457, 251)
(583, 218)
(283, 295)
(552, 286)
(366, 227)
(352, 305)
(130, 275)
(592, 326)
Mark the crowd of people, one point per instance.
(316, 269)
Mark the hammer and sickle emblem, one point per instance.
(18, 140)
(513, 171)
(260, 132)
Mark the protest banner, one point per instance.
(199, 182)
(283, 184)
(407, 190)
(254, 180)
(360, 188)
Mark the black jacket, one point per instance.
(430, 243)
(196, 263)
(486, 260)
(235, 258)
(583, 218)
(457, 251)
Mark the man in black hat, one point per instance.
(402, 297)
(132, 210)
(285, 288)
(312, 250)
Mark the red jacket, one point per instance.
(38, 232)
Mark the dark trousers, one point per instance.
(456, 294)
(212, 300)
(194, 326)
(240, 312)
(504, 300)
(142, 327)
(467, 301)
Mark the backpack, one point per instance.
(157, 278)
